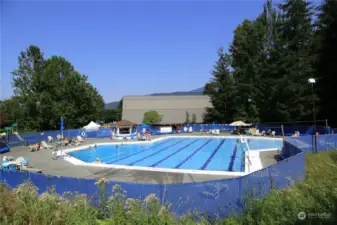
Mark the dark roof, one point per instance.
(124, 123)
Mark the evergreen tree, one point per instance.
(247, 51)
(292, 63)
(326, 68)
(221, 91)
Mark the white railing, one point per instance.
(246, 148)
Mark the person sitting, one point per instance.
(66, 141)
(74, 141)
(296, 134)
(147, 135)
(37, 146)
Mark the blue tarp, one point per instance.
(4, 147)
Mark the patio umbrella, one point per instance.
(239, 124)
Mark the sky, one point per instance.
(124, 47)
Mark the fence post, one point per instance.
(282, 128)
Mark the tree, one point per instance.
(109, 115)
(151, 117)
(248, 59)
(11, 112)
(291, 93)
(326, 69)
(51, 88)
(187, 117)
(221, 91)
(194, 118)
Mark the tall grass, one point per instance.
(317, 194)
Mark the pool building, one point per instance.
(172, 109)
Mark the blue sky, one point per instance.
(125, 47)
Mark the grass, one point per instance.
(317, 194)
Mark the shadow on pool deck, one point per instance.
(44, 160)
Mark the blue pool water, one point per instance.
(218, 154)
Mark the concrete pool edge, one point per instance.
(78, 162)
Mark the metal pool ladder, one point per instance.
(243, 140)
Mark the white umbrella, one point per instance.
(239, 124)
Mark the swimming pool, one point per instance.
(183, 153)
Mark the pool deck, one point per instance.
(45, 161)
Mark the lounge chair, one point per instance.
(50, 139)
(45, 145)
(80, 139)
(22, 161)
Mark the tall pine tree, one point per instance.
(292, 96)
(248, 56)
(326, 68)
(221, 91)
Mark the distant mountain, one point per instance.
(199, 91)
(111, 105)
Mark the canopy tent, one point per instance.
(92, 126)
(144, 127)
(240, 124)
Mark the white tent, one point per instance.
(239, 124)
(92, 126)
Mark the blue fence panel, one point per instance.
(326, 142)
(211, 197)
(304, 143)
(13, 178)
(257, 184)
(70, 134)
(290, 129)
(104, 133)
(286, 172)
(289, 148)
(136, 190)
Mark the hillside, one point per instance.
(199, 91)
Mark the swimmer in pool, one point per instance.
(95, 146)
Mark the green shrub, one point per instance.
(23, 205)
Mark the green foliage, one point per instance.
(151, 117)
(48, 89)
(221, 91)
(264, 75)
(187, 117)
(326, 54)
(24, 206)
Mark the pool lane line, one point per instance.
(180, 149)
(156, 152)
(190, 156)
(230, 166)
(138, 152)
(210, 158)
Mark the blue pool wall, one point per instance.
(216, 198)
